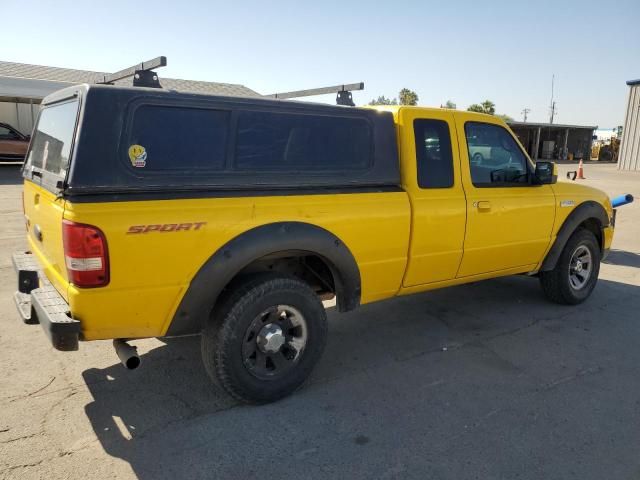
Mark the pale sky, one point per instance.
(466, 51)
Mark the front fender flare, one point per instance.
(582, 212)
(224, 264)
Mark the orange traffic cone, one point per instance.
(580, 172)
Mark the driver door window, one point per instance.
(7, 134)
(494, 156)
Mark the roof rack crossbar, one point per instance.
(343, 93)
(132, 71)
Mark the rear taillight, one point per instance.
(85, 254)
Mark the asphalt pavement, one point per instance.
(487, 380)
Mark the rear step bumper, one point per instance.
(39, 302)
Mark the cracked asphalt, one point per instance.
(487, 380)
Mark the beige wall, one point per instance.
(629, 158)
(19, 118)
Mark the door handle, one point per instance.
(483, 206)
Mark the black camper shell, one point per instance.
(109, 143)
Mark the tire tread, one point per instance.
(230, 310)
(555, 283)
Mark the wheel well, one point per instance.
(589, 215)
(309, 252)
(312, 269)
(594, 226)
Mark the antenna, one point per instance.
(525, 112)
(343, 92)
(552, 105)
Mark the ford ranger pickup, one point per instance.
(153, 213)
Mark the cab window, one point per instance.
(433, 153)
(495, 157)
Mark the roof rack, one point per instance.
(343, 92)
(144, 76)
(142, 73)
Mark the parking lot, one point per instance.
(487, 380)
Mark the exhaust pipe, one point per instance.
(128, 354)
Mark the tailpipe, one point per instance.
(128, 354)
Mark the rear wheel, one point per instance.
(576, 273)
(265, 338)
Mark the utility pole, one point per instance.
(552, 105)
(525, 112)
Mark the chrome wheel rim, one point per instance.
(580, 267)
(274, 342)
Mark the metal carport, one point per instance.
(19, 98)
(568, 141)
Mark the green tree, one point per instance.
(485, 107)
(408, 97)
(382, 100)
(489, 107)
(505, 117)
(450, 105)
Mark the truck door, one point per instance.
(509, 220)
(431, 176)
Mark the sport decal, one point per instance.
(166, 227)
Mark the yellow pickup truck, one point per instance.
(153, 213)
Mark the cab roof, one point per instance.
(396, 109)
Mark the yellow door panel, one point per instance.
(438, 214)
(509, 222)
(515, 230)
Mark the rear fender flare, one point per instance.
(224, 264)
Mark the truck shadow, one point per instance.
(168, 421)
(624, 258)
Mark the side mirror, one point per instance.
(546, 173)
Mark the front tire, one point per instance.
(477, 159)
(265, 338)
(576, 273)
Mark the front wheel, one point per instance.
(576, 273)
(265, 338)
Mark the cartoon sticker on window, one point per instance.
(138, 156)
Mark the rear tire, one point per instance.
(265, 338)
(576, 273)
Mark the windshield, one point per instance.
(52, 138)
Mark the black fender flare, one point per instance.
(226, 262)
(582, 212)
